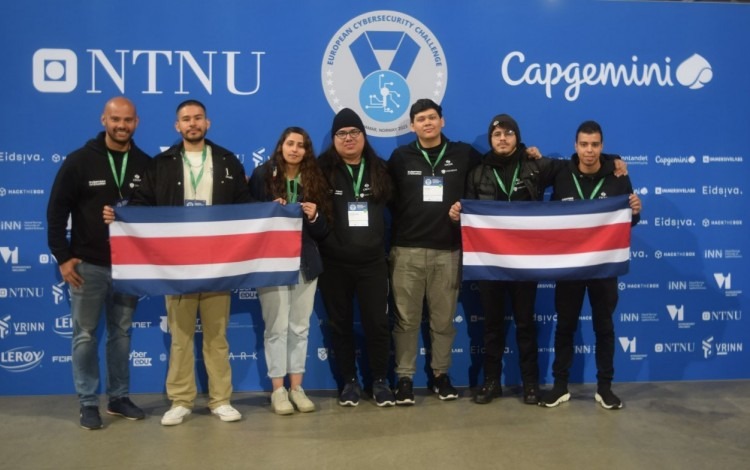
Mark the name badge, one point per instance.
(121, 203)
(432, 189)
(194, 202)
(358, 214)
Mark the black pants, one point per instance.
(338, 285)
(568, 303)
(522, 297)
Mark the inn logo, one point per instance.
(377, 64)
(693, 73)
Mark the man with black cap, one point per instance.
(507, 174)
(429, 176)
(354, 256)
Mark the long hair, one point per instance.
(314, 184)
(380, 180)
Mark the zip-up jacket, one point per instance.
(83, 186)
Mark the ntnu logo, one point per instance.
(694, 73)
(56, 70)
(677, 313)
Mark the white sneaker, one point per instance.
(280, 402)
(300, 400)
(174, 416)
(227, 413)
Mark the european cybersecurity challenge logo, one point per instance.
(378, 64)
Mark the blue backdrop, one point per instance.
(667, 80)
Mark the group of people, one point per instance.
(344, 196)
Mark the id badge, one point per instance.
(432, 189)
(121, 203)
(358, 214)
(194, 202)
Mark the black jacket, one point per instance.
(163, 184)
(312, 265)
(345, 245)
(83, 186)
(533, 177)
(421, 224)
(565, 188)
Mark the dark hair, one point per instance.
(590, 127)
(190, 103)
(423, 105)
(312, 179)
(380, 180)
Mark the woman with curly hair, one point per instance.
(292, 176)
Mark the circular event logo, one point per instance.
(378, 64)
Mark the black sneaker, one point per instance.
(125, 408)
(608, 399)
(90, 418)
(382, 393)
(350, 394)
(405, 391)
(531, 393)
(442, 386)
(489, 390)
(553, 397)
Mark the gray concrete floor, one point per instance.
(684, 425)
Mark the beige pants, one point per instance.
(181, 315)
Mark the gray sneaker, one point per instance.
(280, 402)
(299, 399)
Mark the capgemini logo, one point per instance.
(694, 72)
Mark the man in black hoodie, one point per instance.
(589, 175)
(105, 171)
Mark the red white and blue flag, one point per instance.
(181, 250)
(527, 241)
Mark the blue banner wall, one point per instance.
(667, 81)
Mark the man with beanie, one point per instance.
(354, 257)
(105, 171)
(429, 175)
(507, 174)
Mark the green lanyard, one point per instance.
(358, 183)
(593, 193)
(512, 183)
(121, 179)
(194, 182)
(291, 189)
(427, 157)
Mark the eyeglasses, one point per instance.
(506, 133)
(354, 133)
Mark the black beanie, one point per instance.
(506, 122)
(347, 118)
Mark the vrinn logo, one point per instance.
(693, 73)
(57, 70)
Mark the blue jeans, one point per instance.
(86, 305)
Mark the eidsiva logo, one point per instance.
(55, 70)
(377, 64)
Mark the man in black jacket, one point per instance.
(103, 172)
(588, 176)
(196, 172)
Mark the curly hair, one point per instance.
(312, 180)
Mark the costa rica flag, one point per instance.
(553, 240)
(181, 250)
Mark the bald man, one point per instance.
(105, 171)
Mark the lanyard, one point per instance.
(194, 182)
(593, 193)
(358, 183)
(291, 189)
(512, 183)
(427, 157)
(121, 179)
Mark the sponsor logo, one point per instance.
(671, 222)
(19, 328)
(686, 285)
(721, 315)
(722, 191)
(243, 356)
(659, 254)
(64, 326)
(21, 292)
(140, 359)
(62, 359)
(634, 317)
(21, 192)
(258, 157)
(378, 63)
(721, 223)
(722, 254)
(629, 346)
(677, 313)
(724, 282)
(720, 349)
(674, 348)
(660, 190)
(635, 159)
(247, 294)
(19, 157)
(722, 159)
(675, 160)
(21, 359)
(60, 292)
(693, 73)
(322, 354)
(4, 326)
(637, 285)
(141, 324)
(56, 70)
